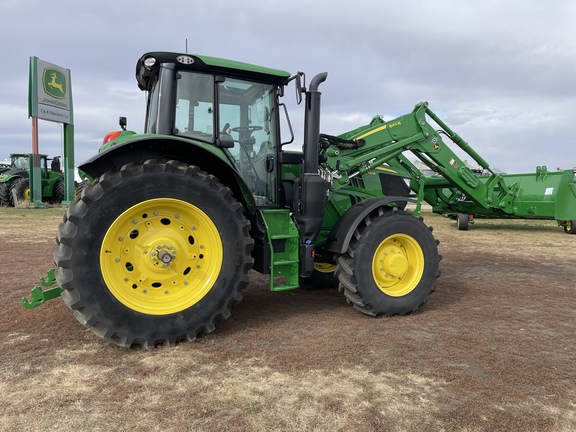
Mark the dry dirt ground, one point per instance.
(494, 349)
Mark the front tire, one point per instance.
(154, 253)
(391, 265)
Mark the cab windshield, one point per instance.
(21, 161)
(244, 123)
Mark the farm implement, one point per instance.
(541, 195)
(158, 247)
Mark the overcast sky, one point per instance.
(501, 73)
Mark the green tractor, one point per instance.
(158, 247)
(15, 183)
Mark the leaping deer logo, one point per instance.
(54, 83)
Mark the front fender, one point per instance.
(341, 234)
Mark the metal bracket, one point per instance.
(40, 296)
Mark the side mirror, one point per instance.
(122, 121)
(300, 88)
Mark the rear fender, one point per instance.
(7, 176)
(212, 161)
(341, 234)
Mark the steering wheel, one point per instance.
(246, 129)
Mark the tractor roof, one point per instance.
(149, 64)
(26, 154)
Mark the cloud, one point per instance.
(500, 73)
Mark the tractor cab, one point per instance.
(21, 162)
(230, 105)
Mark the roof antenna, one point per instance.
(186, 45)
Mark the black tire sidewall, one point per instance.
(6, 193)
(58, 191)
(462, 222)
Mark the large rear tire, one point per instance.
(155, 253)
(5, 193)
(391, 265)
(58, 192)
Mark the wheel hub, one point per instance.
(163, 255)
(395, 263)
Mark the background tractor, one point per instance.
(15, 184)
(157, 248)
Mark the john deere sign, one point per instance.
(50, 92)
(50, 98)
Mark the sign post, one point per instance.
(50, 98)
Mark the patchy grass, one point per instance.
(33, 223)
(493, 349)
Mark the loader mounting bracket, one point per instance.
(40, 296)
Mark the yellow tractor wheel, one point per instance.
(391, 265)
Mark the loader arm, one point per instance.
(382, 142)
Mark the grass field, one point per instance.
(494, 349)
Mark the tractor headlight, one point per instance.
(149, 62)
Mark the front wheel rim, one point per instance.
(161, 256)
(398, 265)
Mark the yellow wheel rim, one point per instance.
(161, 256)
(324, 267)
(398, 265)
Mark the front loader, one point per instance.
(158, 247)
(455, 189)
